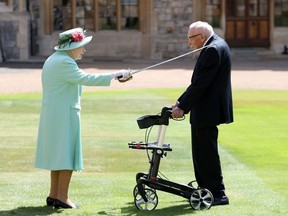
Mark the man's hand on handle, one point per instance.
(177, 113)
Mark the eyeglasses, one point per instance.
(193, 36)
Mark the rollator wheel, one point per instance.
(193, 184)
(150, 204)
(135, 190)
(201, 199)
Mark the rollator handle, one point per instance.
(150, 120)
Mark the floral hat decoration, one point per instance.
(72, 39)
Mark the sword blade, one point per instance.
(169, 60)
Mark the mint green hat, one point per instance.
(72, 39)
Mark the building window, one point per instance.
(281, 13)
(85, 14)
(62, 15)
(235, 8)
(263, 8)
(213, 12)
(96, 15)
(129, 14)
(107, 14)
(247, 8)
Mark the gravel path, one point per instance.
(246, 74)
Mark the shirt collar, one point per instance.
(208, 40)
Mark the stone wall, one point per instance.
(15, 35)
(173, 20)
(279, 39)
(14, 31)
(8, 40)
(163, 32)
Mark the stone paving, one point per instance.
(255, 73)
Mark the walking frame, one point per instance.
(147, 184)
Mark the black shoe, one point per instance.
(50, 201)
(59, 204)
(222, 200)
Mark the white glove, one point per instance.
(122, 75)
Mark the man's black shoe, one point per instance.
(223, 200)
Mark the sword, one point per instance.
(160, 63)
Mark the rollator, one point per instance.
(147, 184)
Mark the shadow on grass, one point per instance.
(130, 210)
(31, 211)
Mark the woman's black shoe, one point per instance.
(59, 204)
(50, 201)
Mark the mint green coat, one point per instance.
(59, 137)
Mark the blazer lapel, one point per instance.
(201, 53)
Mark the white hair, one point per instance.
(204, 28)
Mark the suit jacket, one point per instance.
(59, 138)
(209, 96)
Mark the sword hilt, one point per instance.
(120, 78)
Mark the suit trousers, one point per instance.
(206, 161)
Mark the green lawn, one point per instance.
(253, 152)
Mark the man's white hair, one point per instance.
(203, 27)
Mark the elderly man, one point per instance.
(209, 100)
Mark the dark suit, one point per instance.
(209, 101)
